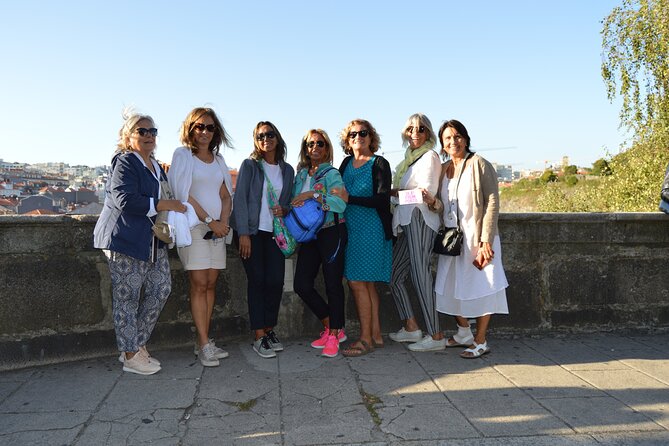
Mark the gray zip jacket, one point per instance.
(246, 203)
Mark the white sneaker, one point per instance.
(427, 344)
(218, 352)
(142, 350)
(207, 356)
(406, 336)
(140, 364)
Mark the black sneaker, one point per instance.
(274, 342)
(261, 347)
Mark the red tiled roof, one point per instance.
(41, 212)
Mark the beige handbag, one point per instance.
(160, 228)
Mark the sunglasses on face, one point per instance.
(202, 127)
(420, 129)
(361, 133)
(143, 131)
(311, 144)
(268, 135)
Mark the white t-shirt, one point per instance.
(306, 187)
(273, 172)
(206, 186)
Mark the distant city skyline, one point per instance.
(518, 74)
(45, 164)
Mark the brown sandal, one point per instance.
(359, 348)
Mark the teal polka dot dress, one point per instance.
(369, 255)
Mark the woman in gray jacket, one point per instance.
(252, 219)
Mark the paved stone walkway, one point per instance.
(595, 389)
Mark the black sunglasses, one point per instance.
(201, 127)
(143, 131)
(421, 129)
(361, 133)
(311, 144)
(268, 135)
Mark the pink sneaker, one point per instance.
(320, 342)
(331, 348)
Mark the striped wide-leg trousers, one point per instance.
(412, 255)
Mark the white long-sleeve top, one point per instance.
(425, 174)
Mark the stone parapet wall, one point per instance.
(566, 272)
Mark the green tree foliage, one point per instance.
(548, 176)
(569, 170)
(633, 186)
(571, 180)
(600, 167)
(635, 66)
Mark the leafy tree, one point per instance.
(571, 180)
(635, 65)
(548, 176)
(600, 167)
(569, 170)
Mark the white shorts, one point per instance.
(203, 254)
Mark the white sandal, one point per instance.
(463, 338)
(476, 351)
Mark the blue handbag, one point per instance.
(304, 222)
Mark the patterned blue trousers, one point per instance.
(136, 315)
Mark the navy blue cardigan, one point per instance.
(123, 225)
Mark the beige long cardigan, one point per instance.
(485, 195)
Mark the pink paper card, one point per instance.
(412, 196)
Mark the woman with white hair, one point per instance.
(416, 228)
(137, 259)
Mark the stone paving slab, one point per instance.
(602, 389)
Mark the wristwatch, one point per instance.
(208, 220)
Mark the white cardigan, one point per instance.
(424, 173)
(180, 175)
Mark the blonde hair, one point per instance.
(375, 143)
(419, 119)
(186, 134)
(130, 121)
(305, 161)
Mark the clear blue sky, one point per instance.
(523, 74)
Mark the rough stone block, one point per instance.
(47, 291)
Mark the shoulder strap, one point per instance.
(418, 159)
(464, 164)
(271, 194)
(322, 173)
